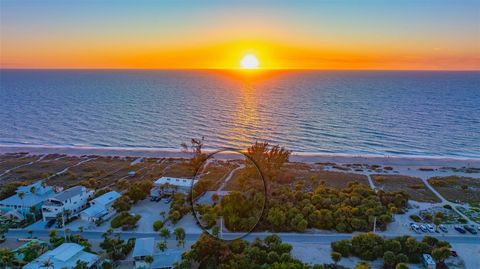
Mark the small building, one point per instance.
(65, 256)
(170, 185)
(72, 200)
(166, 259)
(428, 261)
(27, 197)
(101, 207)
(143, 247)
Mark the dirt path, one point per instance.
(229, 176)
(16, 167)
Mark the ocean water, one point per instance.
(348, 112)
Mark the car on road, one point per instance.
(443, 228)
(459, 229)
(470, 229)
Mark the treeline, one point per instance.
(209, 252)
(394, 251)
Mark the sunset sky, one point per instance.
(423, 34)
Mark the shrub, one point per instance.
(157, 225)
(415, 218)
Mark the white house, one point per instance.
(72, 200)
(101, 207)
(161, 260)
(65, 256)
(26, 197)
(143, 247)
(170, 185)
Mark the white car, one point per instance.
(430, 228)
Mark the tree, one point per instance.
(440, 254)
(157, 225)
(6, 257)
(268, 158)
(162, 246)
(195, 148)
(437, 221)
(401, 266)
(336, 257)
(47, 264)
(165, 233)
(21, 195)
(179, 236)
(149, 259)
(389, 259)
(81, 265)
(363, 265)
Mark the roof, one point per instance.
(107, 198)
(69, 193)
(29, 199)
(166, 259)
(143, 247)
(66, 255)
(94, 211)
(181, 182)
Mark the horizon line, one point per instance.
(235, 69)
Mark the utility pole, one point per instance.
(374, 224)
(63, 225)
(221, 228)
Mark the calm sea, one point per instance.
(349, 112)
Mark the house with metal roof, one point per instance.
(68, 202)
(27, 197)
(65, 256)
(101, 207)
(169, 185)
(143, 247)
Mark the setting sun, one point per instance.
(249, 61)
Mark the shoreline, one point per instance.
(295, 157)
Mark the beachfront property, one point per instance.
(143, 247)
(101, 207)
(72, 200)
(65, 256)
(161, 260)
(166, 186)
(26, 198)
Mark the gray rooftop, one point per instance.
(67, 194)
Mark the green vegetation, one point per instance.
(116, 248)
(457, 189)
(403, 249)
(271, 252)
(351, 209)
(179, 207)
(56, 240)
(472, 212)
(157, 225)
(125, 220)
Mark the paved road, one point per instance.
(286, 237)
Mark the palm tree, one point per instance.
(6, 257)
(21, 195)
(149, 259)
(180, 236)
(162, 246)
(47, 264)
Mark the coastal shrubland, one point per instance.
(125, 220)
(402, 249)
(271, 252)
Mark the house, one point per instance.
(101, 207)
(169, 185)
(143, 247)
(72, 200)
(428, 261)
(161, 260)
(65, 256)
(27, 197)
(166, 259)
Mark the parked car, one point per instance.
(430, 228)
(415, 228)
(460, 230)
(423, 228)
(50, 223)
(167, 201)
(454, 253)
(470, 229)
(443, 228)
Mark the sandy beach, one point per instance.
(413, 161)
